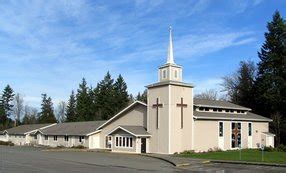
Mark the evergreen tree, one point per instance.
(142, 97)
(239, 86)
(271, 79)
(71, 115)
(270, 85)
(3, 117)
(104, 98)
(47, 111)
(120, 94)
(8, 97)
(83, 102)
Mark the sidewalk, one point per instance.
(177, 161)
(184, 161)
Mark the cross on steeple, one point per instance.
(182, 105)
(157, 105)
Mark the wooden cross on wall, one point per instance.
(182, 105)
(157, 105)
(236, 132)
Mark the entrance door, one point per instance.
(143, 145)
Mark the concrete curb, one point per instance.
(248, 163)
(160, 158)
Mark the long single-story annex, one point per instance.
(171, 121)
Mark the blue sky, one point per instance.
(48, 46)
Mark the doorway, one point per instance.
(143, 145)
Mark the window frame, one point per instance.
(220, 129)
(123, 141)
(55, 138)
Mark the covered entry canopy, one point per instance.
(137, 131)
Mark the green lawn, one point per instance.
(246, 155)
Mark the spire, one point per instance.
(170, 57)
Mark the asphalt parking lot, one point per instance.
(27, 159)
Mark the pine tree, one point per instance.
(47, 111)
(270, 85)
(121, 94)
(8, 97)
(239, 86)
(84, 102)
(142, 97)
(104, 97)
(271, 80)
(71, 115)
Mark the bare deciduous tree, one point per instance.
(60, 111)
(276, 126)
(210, 94)
(18, 107)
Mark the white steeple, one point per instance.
(170, 58)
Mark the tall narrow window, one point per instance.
(55, 138)
(176, 74)
(46, 137)
(249, 129)
(164, 74)
(131, 142)
(220, 129)
(116, 141)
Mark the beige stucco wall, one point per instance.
(181, 138)
(134, 117)
(159, 141)
(207, 134)
(170, 137)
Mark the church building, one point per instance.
(172, 121)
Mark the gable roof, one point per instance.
(23, 129)
(218, 104)
(83, 128)
(230, 116)
(122, 112)
(137, 131)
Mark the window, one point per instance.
(235, 135)
(35, 137)
(81, 138)
(227, 110)
(231, 111)
(215, 109)
(66, 138)
(249, 129)
(55, 138)
(220, 129)
(125, 142)
(46, 137)
(207, 109)
(220, 110)
(176, 73)
(201, 108)
(164, 74)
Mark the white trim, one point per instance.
(119, 127)
(225, 107)
(169, 119)
(121, 113)
(221, 138)
(231, 119)
(91, 133)
(39, 128)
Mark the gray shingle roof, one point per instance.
(22, 129)
(73, 128)
(230, 116)
(133, 130)
(217, 104)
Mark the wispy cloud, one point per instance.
(48, 46)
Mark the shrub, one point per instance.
(269, 149)
(187, 152)
(9, 143)
(78, 147)
(281, 148)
